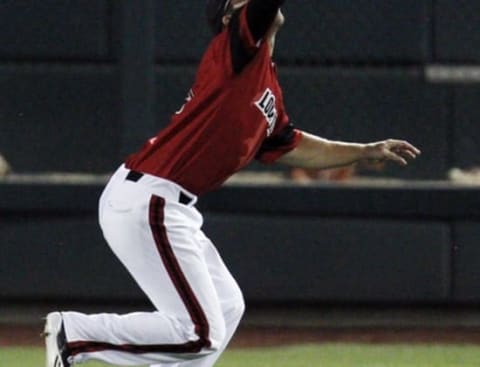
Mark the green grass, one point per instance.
(322, 355)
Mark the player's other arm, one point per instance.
(260, 15)
(316, 152)
(255, 22)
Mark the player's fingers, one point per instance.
(405, 145)
(390, 155)
(411, 151)
(405, 153)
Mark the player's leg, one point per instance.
(231, 302)
(230, 296)
(153, 239)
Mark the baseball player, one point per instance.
(233, 114)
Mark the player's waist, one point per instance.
(159, 186)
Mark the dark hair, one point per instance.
(215, 10)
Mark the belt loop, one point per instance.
(184, 199)
(134, 176)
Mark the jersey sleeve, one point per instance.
(278, 144)
(248, 28)
(259, 16)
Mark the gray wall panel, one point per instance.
(362, 31)
(48, 29)
(466, 147)
(59, 257)
(59, 119)
(456, 31)
(334, 260)
(181, 30)
(467, 261)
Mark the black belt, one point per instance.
(134, 176)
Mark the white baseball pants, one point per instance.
(160, 241)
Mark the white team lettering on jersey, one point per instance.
(266, 105)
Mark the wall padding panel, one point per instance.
(363, 31)
(182, 32)
(456, 31)
(307, 258)
(467, 261)
(466, 148)
(60, 257)
(59, 118)
(71, 29)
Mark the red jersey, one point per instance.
(228, 119)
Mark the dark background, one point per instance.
(84, 82)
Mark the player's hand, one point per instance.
(398, 151)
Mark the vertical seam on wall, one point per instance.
(453, 268)
(451, 111)
(109, 27)
(433, 35)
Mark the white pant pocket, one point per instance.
(119, 205)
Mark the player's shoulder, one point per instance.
(216, 57)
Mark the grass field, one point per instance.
(322, 355)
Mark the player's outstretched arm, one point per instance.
(260, 16)
(316, 152)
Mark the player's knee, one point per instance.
(240, 306)
(231, 315)
(236, 309)
(217, 334)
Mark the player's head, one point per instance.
(219, 11)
